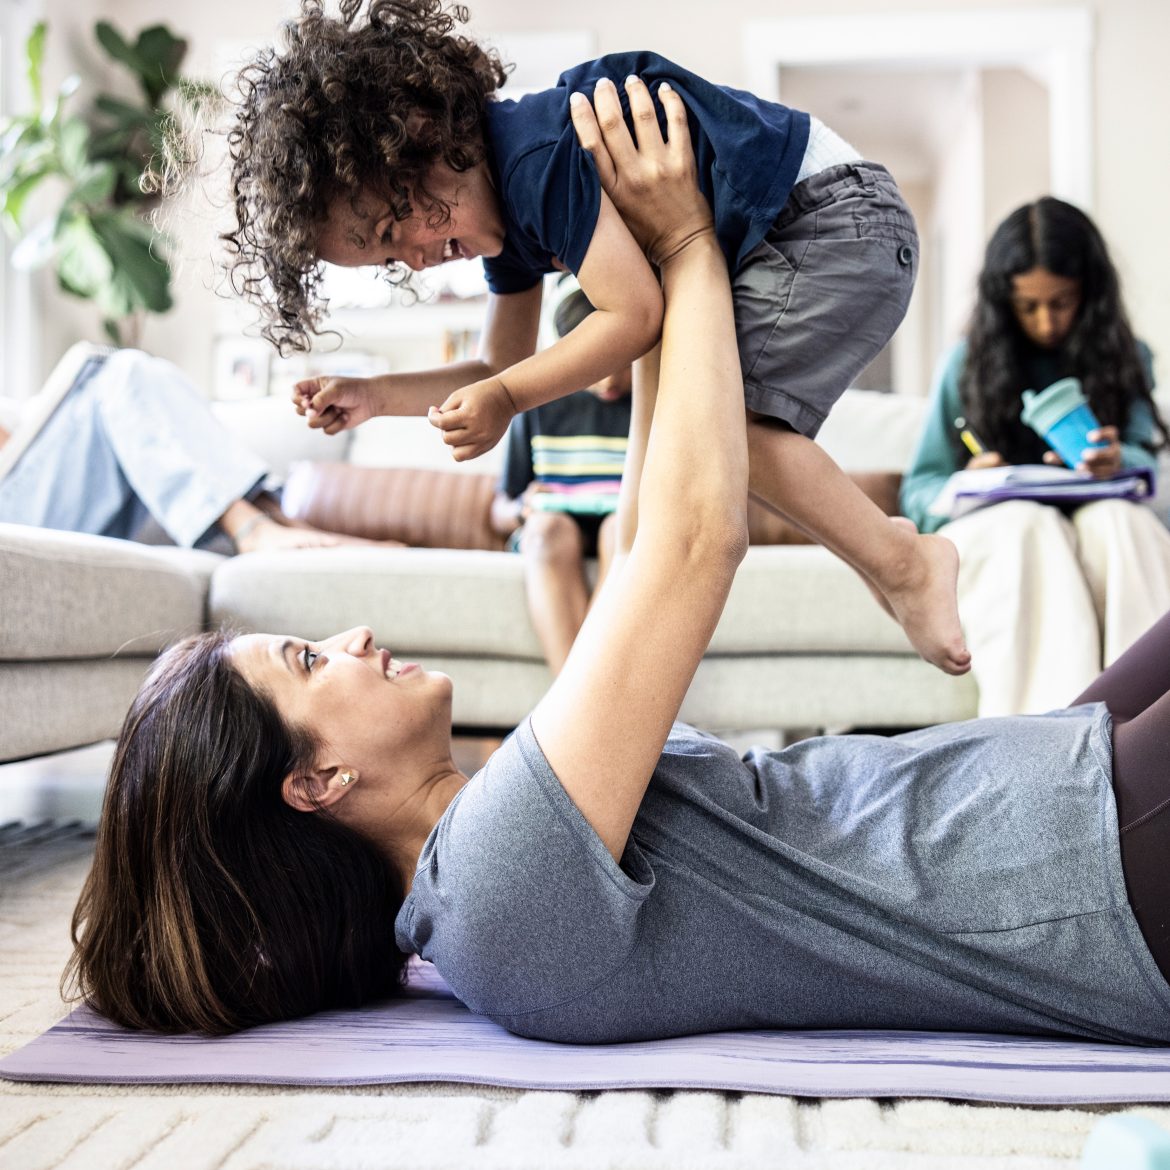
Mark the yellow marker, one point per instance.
(970, 441)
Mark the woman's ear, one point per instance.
(317, 789)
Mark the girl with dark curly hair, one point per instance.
(1045, 598)
(381, 141)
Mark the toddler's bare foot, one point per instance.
(903, 522)
(269, 534)
(923, 601)
(4, 437)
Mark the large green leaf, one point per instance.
(34, 51)
(68, 88)
(141, 274)
(15, 197)
(74, 147)
(116, 45)
(95, 185)
(123, 113)
(165, 52)
(84, 265)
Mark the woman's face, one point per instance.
(366, 708)
(1045, 305)
(362, 232)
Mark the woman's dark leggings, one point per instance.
(1136, 689)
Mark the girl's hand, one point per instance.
(334, 404)
(473, 419)
(1102, 461)
(528, 499)
(986, 459)
(653, 185)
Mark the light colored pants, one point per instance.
(132, 440)
(1047, 601)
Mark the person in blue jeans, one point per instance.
(558, 491)
(405, 158)
(132, 448)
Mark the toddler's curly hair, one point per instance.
(349, 104)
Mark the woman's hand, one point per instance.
(653, 185)
(335, 404)
(1101, 461)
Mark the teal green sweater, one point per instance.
(940, 454)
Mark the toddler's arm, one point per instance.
(624, 292)
(509, 335)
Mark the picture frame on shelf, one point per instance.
(242, 368)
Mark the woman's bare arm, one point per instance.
(603, 723)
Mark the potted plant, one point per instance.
(98, 239)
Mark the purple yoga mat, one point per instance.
(430, 1036)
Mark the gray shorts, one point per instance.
(823, 292)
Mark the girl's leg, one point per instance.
(1125, 551)
(1027, 612)
(1136, 689)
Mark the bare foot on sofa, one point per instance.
(269, 534)
(4, 437)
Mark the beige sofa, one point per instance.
(801, 644)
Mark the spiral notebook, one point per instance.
(967, 491)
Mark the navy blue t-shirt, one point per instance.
(748, 153)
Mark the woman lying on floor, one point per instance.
(284, 823)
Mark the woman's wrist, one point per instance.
(689, 244)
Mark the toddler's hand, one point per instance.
(334, 404)
(474, 418)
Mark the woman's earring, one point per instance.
(346, 777)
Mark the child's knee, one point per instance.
(552, 537)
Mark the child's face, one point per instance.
(614, 387)
(361, 232)
(1045, 306)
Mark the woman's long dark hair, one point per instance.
(1100, 349)
(211, 904)
(350, 104)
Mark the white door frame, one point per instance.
(1053, 44)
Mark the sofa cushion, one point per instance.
(440, 509)
(63, 595)
(443, 601)
(425, 509)
(64, 704)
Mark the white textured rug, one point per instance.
(439, 1127)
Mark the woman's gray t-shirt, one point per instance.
(966, 877)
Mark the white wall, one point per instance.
(1132, 88)
(1015, 142)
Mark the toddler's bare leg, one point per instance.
(915, 575)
